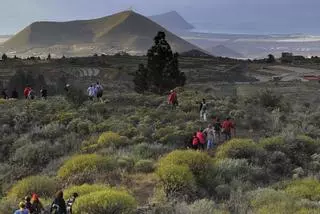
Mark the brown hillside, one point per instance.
(125, 30)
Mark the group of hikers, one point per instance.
(32, 205)
(215, 134)
(28, 93)
(95, 91)
(211, 136)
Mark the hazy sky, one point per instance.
(274, 16)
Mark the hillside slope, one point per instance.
(172, 20)
(122, 31)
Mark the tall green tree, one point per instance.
(162, 72)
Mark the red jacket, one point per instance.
(201, 137)
(195, 141)
(26, 91)
(172, 98)
(227, 125)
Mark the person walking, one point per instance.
(44, 93)
(59, 205)
(28, 204)
(217, 129)
(4, 94)
(195, 141)
(202, 139)
(26, 92)
(37, 206)
(98, 91)
(227, 127)
(209, 133)
(203, 110)
(14, 94)
(22, 209)
(91, 92)
(71, 201)
(173, 99)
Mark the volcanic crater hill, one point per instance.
(122, 31)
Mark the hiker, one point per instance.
(227, 127)
(217, 128)
(26, 92)
(28, 204)
(44, 93)
(202, 139)
(22, 209)
(210, 133)
(14, 94)
(91, 92)
(67, 87)
(195, 141)
(36, 204)
(173, 99)
(70, 202)
(59, 205)
(203, 110)
(4, 94)
(98, 91)
(31, 94)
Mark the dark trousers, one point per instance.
(227, 136)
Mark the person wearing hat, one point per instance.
(22, 209)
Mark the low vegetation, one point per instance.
(130, 154)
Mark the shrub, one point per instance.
(84, 189)
(176, 179)
(198, 162)
(203, 206)
(236, 148)
(305, 189)
(229, 169)
(106, 201)
(266, 201)
(107, 139)
(272, 143)
(149, 151)
(42, 185)
(91, 163)
(145, 166)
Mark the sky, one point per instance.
(232, 16)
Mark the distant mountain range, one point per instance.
(221, 50)
(172, 21)
(124, 31)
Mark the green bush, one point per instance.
(272, 143)
(91, 163)
(231, 169)
(83, 189)
(42, 185)
(265, 201)
(176, 179)
(305, 189)
(107, 139)
(149, 151)
(236, 148)
(198, 162)
(106, 201)
(145, 166)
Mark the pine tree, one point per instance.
(162, 72)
